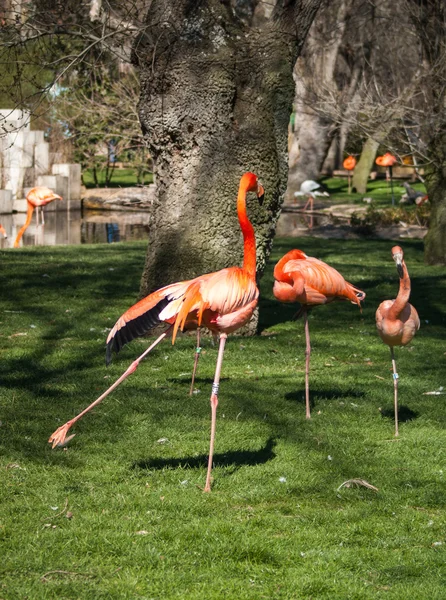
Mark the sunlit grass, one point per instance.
(120, 512)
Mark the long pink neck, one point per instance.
(249, 240)
(403, 295)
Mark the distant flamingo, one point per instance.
(223, 301)
(397, 320)
(37, 197)
(304, 279)
(387, 160)
(3, 232)
(311, 189)
(349, 164)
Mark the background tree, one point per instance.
(216, 97)
(429, 19)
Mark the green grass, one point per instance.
(121, 178)
(379, 190)
(140, 525)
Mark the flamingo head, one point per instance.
(398, 255)
(251, 184)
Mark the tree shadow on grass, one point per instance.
(405, 414)
(237, 458)
(298, 396)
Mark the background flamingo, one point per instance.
(388, 160)
(304, 279)
(3, 232)
(349, 164)
(223, 301)
(397, 320)
(37, 197)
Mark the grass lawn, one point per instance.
(379, 190)
(121, 178)
(120, 514)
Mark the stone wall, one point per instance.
(25, 163)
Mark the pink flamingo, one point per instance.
(397, 320)
(222, 301)
(37, 197)
(308, 280)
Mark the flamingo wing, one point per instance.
(219, 293)
(322, 282)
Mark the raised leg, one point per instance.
(58, 437)
(395, 390)
(214, 404)
(197, 356)
(307, 365)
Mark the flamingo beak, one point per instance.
(260, 193)
(399, 264)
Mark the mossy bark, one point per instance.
(216, 97)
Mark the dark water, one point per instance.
(94, 227)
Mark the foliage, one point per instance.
(367, 222)
(120, 512)
(100, 117)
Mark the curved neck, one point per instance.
(249, 240)
(27, 222)
(403, 295)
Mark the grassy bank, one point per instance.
(120, 513)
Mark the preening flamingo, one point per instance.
(387, 160)
(397, 320)
(311, 189)
(308, 280)
(222, 301)
(37, 197)
(349, 164)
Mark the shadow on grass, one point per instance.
(405, 414)
(236, 458)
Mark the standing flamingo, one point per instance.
(37, 197)
(387, 160)
(223, 301)
(308, 280)
(349, 164)
(397, 320)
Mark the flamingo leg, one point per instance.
(42, 215)
(197, 356)
(391, 185)
(307, 365)
(214, 404)
(395, 390)
(58, 437)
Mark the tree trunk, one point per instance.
(364, 165)
(216, 97)
(435, 240)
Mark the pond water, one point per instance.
(92, 227)
(76, 227)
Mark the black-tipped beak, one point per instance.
(260, 193)
(399, 264)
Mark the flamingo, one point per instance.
(37, 197)
(3, 232)
(413, 196)
(397, 321)
(223, 301)
(387, 160)
(308, 280)
(349, 164)
(311, 189)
